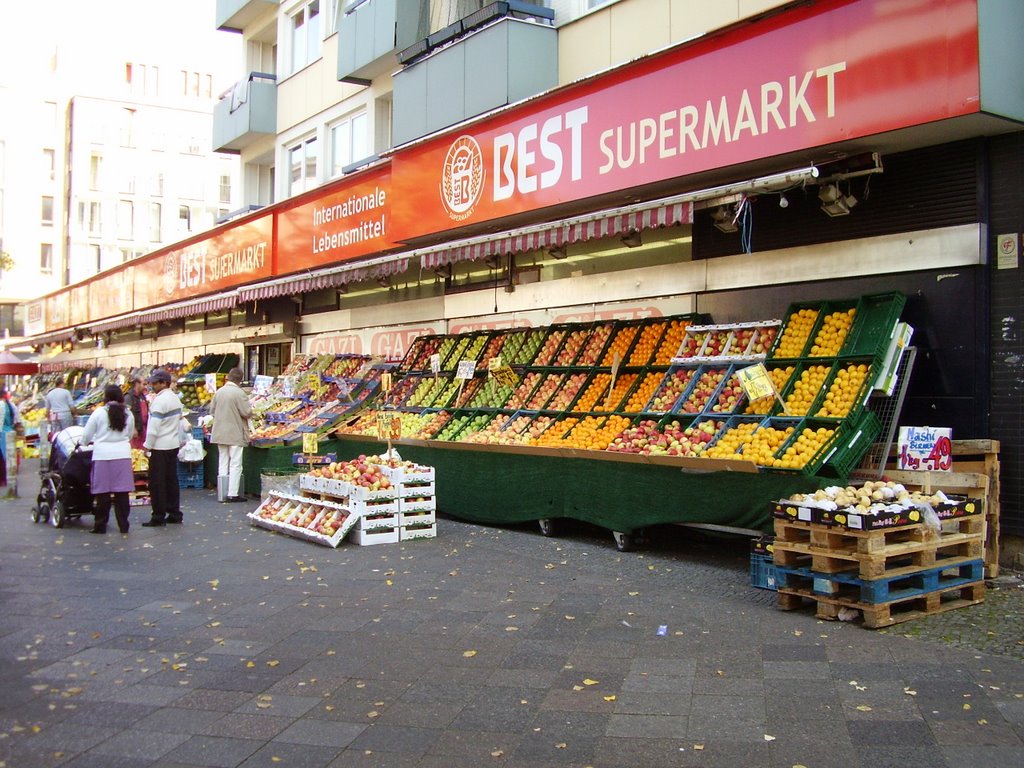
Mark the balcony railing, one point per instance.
(236, 15)
(246, 112)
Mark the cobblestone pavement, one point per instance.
(218, 644)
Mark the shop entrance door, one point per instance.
(267, 359)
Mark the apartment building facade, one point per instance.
(105, 145)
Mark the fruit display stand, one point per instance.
(139, 497)
(379, 500)
(881, 550)
(317, 520)
(651, 433)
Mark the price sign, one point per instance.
(925, 448)
(260, 384)
(389, 426)
(756, 382)
(344, 390)
(494, 363)
(310, 443)
(616, 360)
(385, 381)
(505, 376)
(211, 382)
(466, 369)
(288, 386)
(435, 363)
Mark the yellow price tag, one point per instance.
(310, 443)
(756, 382)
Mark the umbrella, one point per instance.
(12, 365)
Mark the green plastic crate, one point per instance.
(876, 315)
(849, 449)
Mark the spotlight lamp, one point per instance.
(723, 220)
(384, 282)
(834, 202)
(632, 239)
(557, 252)
(783, 202)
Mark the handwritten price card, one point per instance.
(925, 448)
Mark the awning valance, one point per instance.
(325, 278)
(566, 232)
(189, 308)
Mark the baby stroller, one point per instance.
(64, 491)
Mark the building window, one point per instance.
(97, 254)
(128, 127)
(50, 113)
(46, 257)
(184, 218)
(348, 142)
(95, 169)
(47, 211)
(126, 220)
(89, 217)
(155, 214)
(49, 164)
(331, 17)
(225, 188)
(302, 165)
(305, 38)
(157, 188)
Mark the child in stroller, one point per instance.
(64, 491)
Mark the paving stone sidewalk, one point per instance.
(218, 644)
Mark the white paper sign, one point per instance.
(925, 448)
(261, 384)
(211, 383)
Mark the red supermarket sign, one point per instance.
(813, 76)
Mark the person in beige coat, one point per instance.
(231, 411)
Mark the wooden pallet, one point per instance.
(975, 473)
(949, 573)
(876, 554)
(886, 614)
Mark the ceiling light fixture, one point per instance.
(783, 202)
(632, 239)
(723, 219)
(834, 202)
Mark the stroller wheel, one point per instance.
(41, 513)
(59, 515)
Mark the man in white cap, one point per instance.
(163, 440)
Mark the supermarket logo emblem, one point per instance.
(462, 179)
(170, 274)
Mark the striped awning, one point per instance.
(189, 308)
(325, 278)
(115, 323)
(566, 232)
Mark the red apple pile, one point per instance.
(729, 397)
(702, 390)
(363, 470)
(671, 388)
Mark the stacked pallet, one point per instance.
(974, 473)
(890, 569)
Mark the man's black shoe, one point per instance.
(174, 520)
(153, 524)
(236, 498)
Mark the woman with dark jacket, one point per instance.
(109, 429)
